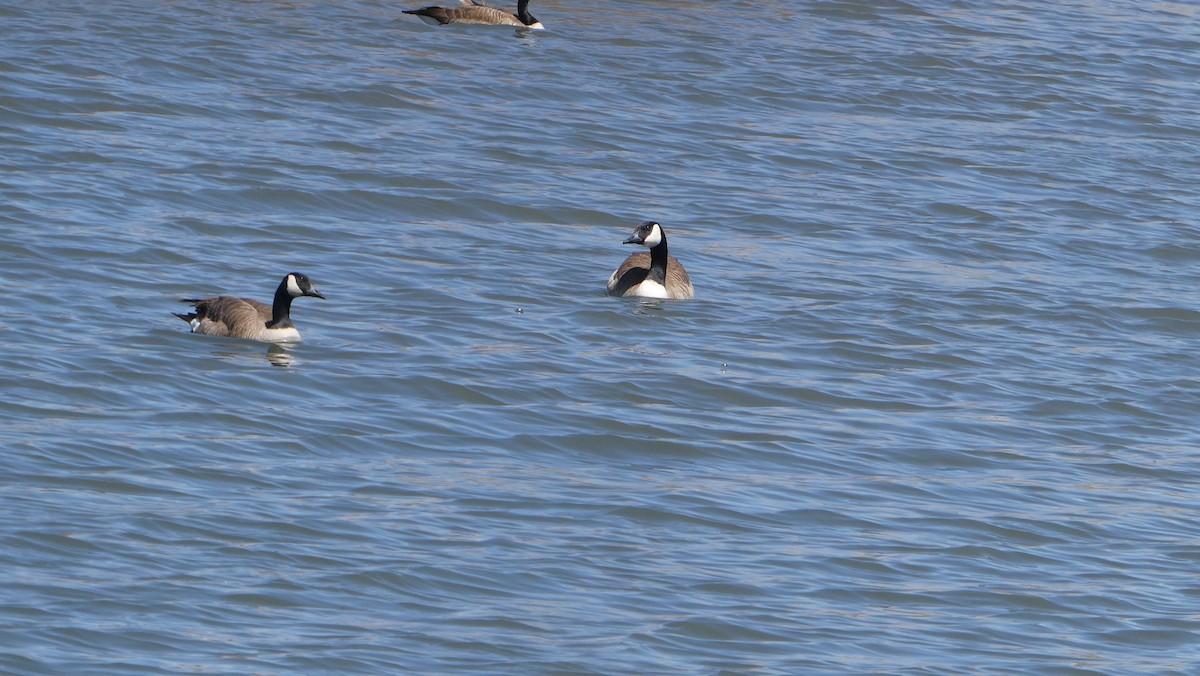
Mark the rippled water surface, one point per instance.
(934, 408)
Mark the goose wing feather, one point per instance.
(231, 316)
(473, 13)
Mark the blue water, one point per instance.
(933, 409)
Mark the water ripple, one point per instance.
(931, 410)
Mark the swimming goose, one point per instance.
(651, 275)
(477, 12)
(245, 318)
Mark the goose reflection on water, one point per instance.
(278, 355)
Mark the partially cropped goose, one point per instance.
(472, 11)
(246, 318)
(651, 275)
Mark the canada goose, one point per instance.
(472, 11)
(651, 275)
(245, 318)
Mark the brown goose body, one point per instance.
(233, 317)
(477, 13)
(653, 274)
(627, 279)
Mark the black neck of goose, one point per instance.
(281, 308)
(523, 13)
(658, 262)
